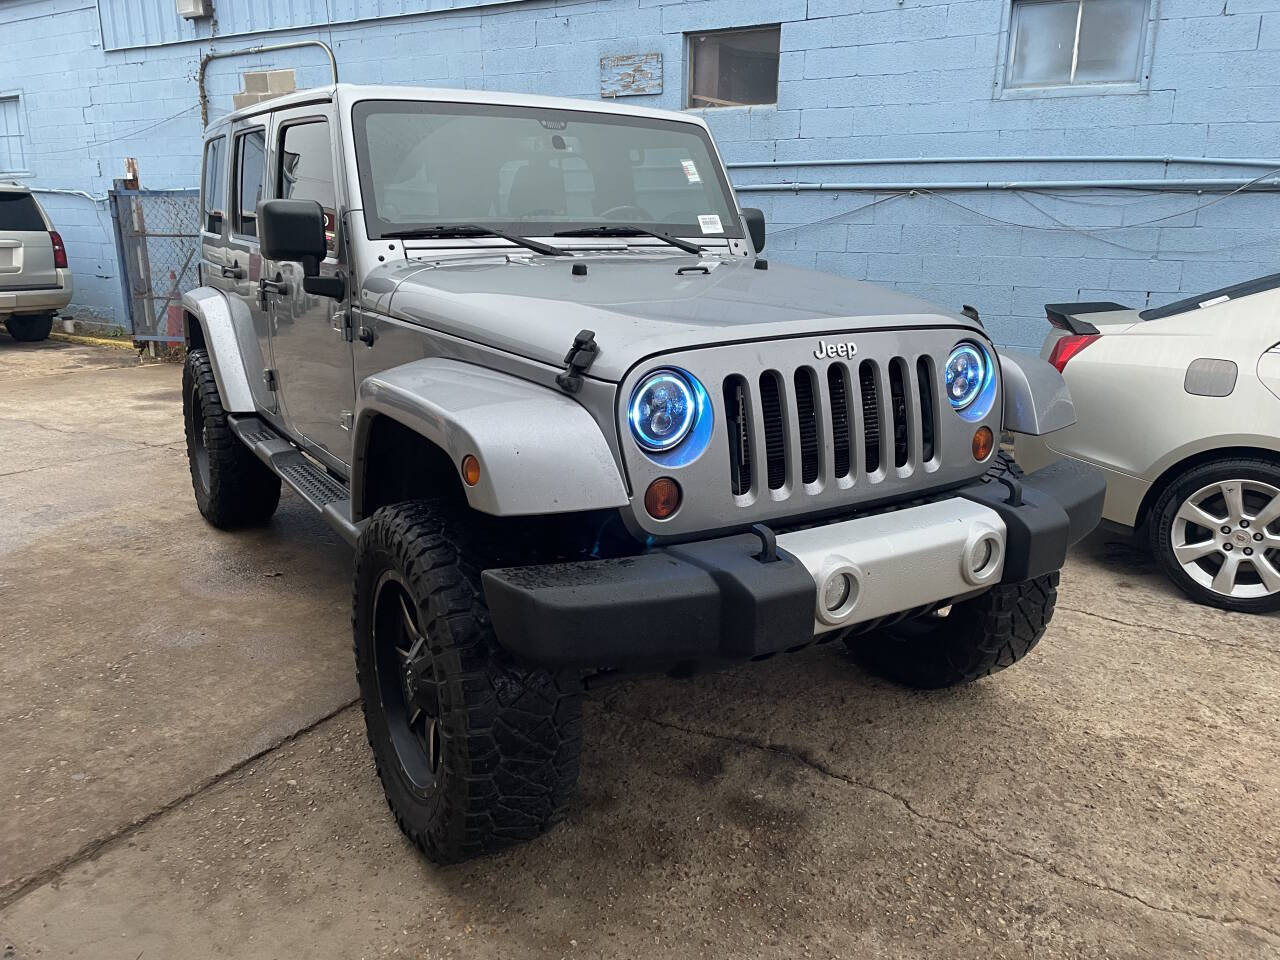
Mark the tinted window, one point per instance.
(251, 151)
(306, 170)
(18, 211)
(214, 199)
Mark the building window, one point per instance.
(13, 158)
(733, 68)
(1067, 43)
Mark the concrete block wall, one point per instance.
(857, 79)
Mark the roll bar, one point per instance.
(249, 51)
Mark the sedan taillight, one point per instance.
(1067, 347)
(59, 251)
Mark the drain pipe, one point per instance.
(1206, 186)
(908, 161)
(250, 51)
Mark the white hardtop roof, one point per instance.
(13, 186)
(349, 93)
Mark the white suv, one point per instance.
(34, 280)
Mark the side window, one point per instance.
(213, 201)
(306, 171)
(251, 151)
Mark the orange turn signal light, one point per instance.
(662, 499)
(984, 442)
(470, 470)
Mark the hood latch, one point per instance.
(578, 361)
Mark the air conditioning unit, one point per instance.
(195, 9)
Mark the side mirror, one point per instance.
(292, 230)
(754, 219)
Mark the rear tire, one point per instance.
(475, 752)
(233, 487)
(1207, 560)
(29, 329)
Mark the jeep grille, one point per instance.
(891, 422)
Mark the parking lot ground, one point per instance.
(184, 773)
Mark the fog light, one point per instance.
(984, 442)
(470, 470)
(662, 499)
(836, 592)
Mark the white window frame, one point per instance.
(1002, 90)
(23, 129)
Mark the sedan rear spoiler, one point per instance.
(1066, 316)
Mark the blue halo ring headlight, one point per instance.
(966, 374)
(662, 411)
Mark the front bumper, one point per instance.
(717, 601)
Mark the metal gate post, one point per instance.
(117, 224)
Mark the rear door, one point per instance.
(310, 335)
(26, 250)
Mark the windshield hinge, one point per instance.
(578, 361)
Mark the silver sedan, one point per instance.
(1180, 407)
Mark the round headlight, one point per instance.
(662, 410)
(966, 374)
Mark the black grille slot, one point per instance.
(807, 414)
(775, 430)
(898, 408)
(870, 414)
(840, 439)
(924, 373)
(738, 416)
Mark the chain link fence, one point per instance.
(158, 246)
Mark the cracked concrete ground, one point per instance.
(184, 775)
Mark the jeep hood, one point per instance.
(637, 305)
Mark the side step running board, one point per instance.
(328, 495)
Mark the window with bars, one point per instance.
(13, 157)
(1070, 43)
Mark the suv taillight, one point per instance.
(1067, 347)
(59, 251)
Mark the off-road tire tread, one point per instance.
(1161, 522)
(242, 489)
(518, 729)
(28, 329)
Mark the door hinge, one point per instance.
(342, 322)
(269, 378)
(345, 420)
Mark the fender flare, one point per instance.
(540, 451)
(1036, 398)
(217, 319)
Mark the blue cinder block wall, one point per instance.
(858, 79)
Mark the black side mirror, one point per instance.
(292, 230)
(754, 218)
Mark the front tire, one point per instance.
(29, 329)
(972, 639)
(233, 487)
(474, 751)
(1215, 531)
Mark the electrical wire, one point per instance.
(123, 136)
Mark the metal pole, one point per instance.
(908, 161)
(1211, 186)
(250, 51)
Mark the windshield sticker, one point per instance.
(710, 223)
(691, 171)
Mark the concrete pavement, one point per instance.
(182, 773)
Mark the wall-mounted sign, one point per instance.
(631, 75)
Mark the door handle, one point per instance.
(233, 272)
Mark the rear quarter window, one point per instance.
(18, 212)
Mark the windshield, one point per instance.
(536, 171)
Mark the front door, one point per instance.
(309, 334)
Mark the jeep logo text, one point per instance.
(844, 350)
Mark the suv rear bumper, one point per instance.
(18, 301)
(716, 601)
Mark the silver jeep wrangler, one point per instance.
(525, 355)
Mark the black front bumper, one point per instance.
(715, 601)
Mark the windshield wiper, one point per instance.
(475, 230)
(630, 230)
